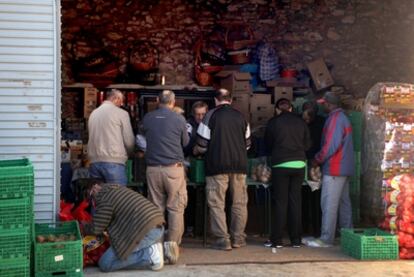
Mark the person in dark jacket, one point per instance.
(288, 137)
(224, 137)
(311, 200)
(135, 227)
(198, 111)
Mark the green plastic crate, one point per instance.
(369, 244)
(16, 213)
(356, 121)
(15, 243)
(16, 178)
(197, 171)
(129, 171)
(64, 273)
(19, 267)
(58, 256)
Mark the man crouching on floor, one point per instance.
(135, 227)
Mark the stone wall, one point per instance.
(365, 41)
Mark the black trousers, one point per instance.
(287, 204)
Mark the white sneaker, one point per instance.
(156, 256)
(171, 251)
(305, 240)
(318, 243)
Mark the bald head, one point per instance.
(222, 96)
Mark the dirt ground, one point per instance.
(255, 260)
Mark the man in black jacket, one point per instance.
(288, 137)
(224, 136)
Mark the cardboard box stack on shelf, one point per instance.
(78, 102)
(256, 108)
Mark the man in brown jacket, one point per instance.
(111, 140)
(135, 227)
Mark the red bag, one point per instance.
(406, 253)
(80, 213)
(65, 213)
(405, 240)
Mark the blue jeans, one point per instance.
(139, 258)
(111, 173)
(334, 199)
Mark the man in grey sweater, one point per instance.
(166, 135)
(111, 140)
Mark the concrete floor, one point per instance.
(255, 260)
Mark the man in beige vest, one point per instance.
(111, 140)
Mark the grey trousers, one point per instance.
(216, 188)
(335, 199)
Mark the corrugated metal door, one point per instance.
(30, 93)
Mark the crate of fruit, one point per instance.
(58, 247)
(15, 243)
(16, 213)
(369, 244)
(16, 178)
(19, 267)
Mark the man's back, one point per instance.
(227, 149)
(110, 134)
(166, 135)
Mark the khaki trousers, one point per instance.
(167, 189)
(216, 188)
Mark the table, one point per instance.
(249, 183)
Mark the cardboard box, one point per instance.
(179, 103)
(234, 81)
(241, 102)
(89, 101)
(320, 74)
(257, 119)
(151, 106)
(260, 104)
(283, 92)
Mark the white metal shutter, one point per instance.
(29, 93)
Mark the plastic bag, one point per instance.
(65, 213)
(80, 213)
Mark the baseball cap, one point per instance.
(331, 98)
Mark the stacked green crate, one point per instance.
(356, 121)
(16, 217)
(355, 188)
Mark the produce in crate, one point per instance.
(55, 238)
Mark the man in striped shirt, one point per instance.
(135, 227)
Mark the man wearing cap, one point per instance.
(166, 135)
(224, 137)
(337, 159)
(288, 138)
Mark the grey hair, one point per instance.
(166, 97)
(113, 94)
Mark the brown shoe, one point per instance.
(239, 244)
(222, 244)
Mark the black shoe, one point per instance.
(271, 244)
(222, 244)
